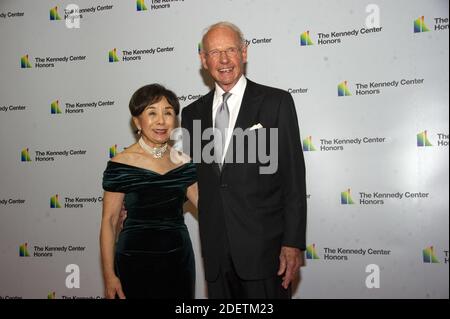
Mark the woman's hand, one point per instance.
(192, 194)
(113, 287)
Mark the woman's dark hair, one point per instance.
(150, 94)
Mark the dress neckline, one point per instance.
(152, 171)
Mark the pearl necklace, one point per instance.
(156, 152)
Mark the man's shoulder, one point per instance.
(194, 106)
(269, 90)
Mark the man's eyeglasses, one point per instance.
(230, 52)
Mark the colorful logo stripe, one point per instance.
(308, 145)
(305, 39)
(54, 14)
(346, 198)
(422, 139)
(113, 151)
(429, 256)
(54, 202)
(113, 56)
(23, 250)
(140, 5)
(311, 252)
(25, 155)
(55, 109)
(343, 89)
(24, 62)
(420, 26)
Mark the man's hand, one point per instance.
(291, 259)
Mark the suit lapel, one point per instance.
(249, 107)
(248, 111)
(247, 115)
(205, 111)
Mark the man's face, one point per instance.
(224, 56)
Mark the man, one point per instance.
(252, 225)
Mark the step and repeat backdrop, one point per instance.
(370, 80)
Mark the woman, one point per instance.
(153, 256)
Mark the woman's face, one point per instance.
(156, 122)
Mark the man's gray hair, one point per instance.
(224, 24)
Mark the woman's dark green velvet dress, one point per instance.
(154, 256)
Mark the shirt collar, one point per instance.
(237, 90)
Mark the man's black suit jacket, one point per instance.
(258, 213)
